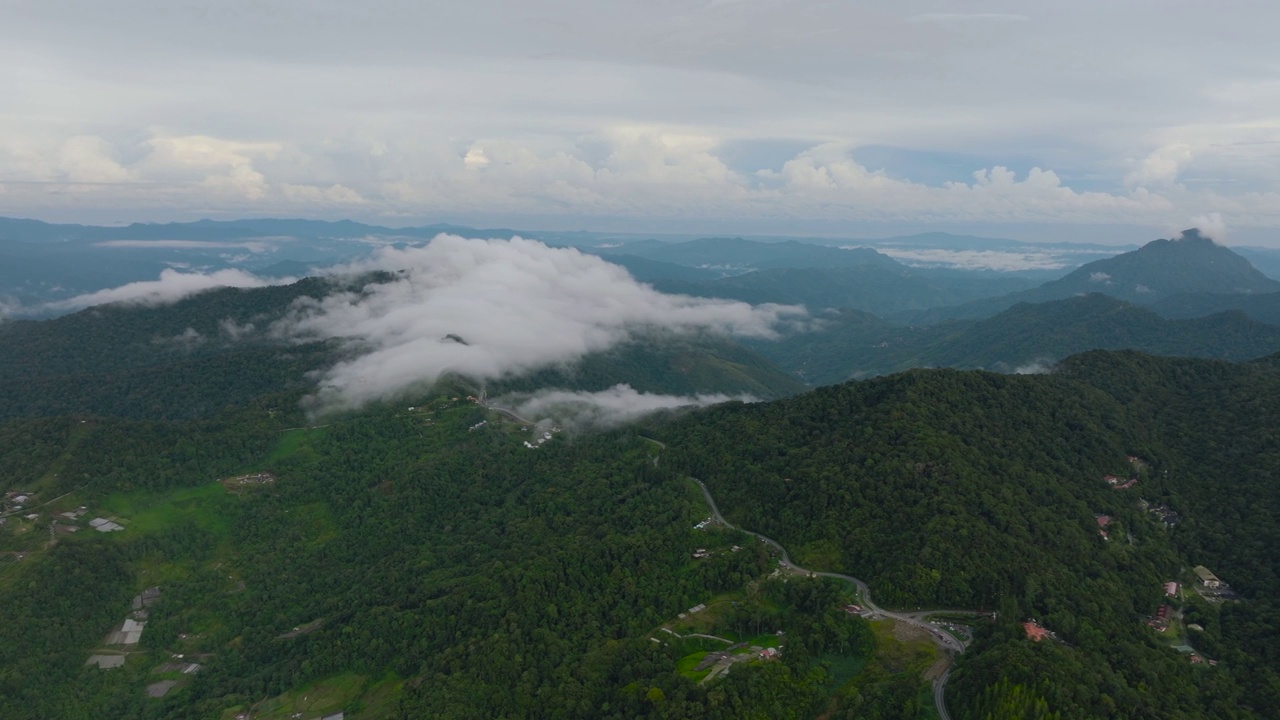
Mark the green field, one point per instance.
(293, 442)
(687, 664)
(208, 507)
(313, 700)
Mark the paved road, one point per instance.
(939, 688)
(940, 637)
(506, 411)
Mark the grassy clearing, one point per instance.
(310, 701)
(686, 666)
(896, 656)
(820, 555)
(294, 441)
(208, 507)
(843, 668)
(767, 640)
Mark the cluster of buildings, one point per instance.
(1162, 511)
(261, 478)
(1207, 578)
(1103, 521)
(16, 500)
(1118, 483)
(1037, 632)
(1161, 619)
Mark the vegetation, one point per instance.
(975, 490)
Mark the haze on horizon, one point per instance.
(1112, 121)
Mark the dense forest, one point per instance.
(423, 558)
(979, 490)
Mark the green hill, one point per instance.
(1022, 338)
(1189, 264)
(954, 489)
(213, 350)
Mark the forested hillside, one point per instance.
(977, 490)
(427, 559)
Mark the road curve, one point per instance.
(941, 638)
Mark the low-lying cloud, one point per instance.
(618, 405)
(1043, 366)
(171, 287)
(999, 260)
(488, 309)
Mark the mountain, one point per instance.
(1025, 338)
(431, 561)
(736, 255)
(1264, 307)
(667, 364)
(1267, 260)
(961, 489)
(1189, 264)
(195, 357)
(646, 270)
(870, 288)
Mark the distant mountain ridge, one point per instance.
(1027, 337)
(736, 255)
(1189, 264)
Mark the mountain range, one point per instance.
(787, 553)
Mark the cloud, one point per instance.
(1161, 167)
(1035, 367)
(1212, 226)
(618, 405)
(1100, 277)
(515, 305)
(966, 18)
(1001, 260)
(170, 288)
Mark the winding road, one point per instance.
(941, 638)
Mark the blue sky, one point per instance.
(1029, 119)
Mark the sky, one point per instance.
(1026, 119)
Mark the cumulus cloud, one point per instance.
(493, 308)
(1161, 167)
(1212, 226)
(1100, 277)
(170, 288)
(618, 405)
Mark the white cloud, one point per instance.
(618, 405)
(1002, 260)
(1212, 226)
(335, 194)
(516, 304)
(89, 159)
(1035, 367)
(1161, 167)
(581, 110)
(170, 288)
(1100, 277)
